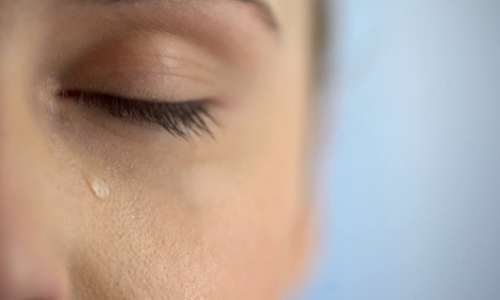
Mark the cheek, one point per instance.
(227, 242)
(143, 252)
(247, 219)
(142, 242)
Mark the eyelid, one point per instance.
(149, 66)
(159, 86)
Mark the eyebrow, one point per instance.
(265, 11)
(263, 8)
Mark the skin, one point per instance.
(97, 207)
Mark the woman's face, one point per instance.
(152, 149)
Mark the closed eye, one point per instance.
(180, 119)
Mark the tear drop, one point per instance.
(100, 188)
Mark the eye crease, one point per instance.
(180, 119)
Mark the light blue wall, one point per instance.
(416, 173)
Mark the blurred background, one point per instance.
(410, 177)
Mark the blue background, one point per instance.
(411, 183)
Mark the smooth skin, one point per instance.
(98, 207)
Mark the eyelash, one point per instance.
(180, 119)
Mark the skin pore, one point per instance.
(153, 149)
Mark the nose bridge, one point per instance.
(19, 192)
(18, 139)
(16, 68)
(29, 268)
(20, 33)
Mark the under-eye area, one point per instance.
(181, 119)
